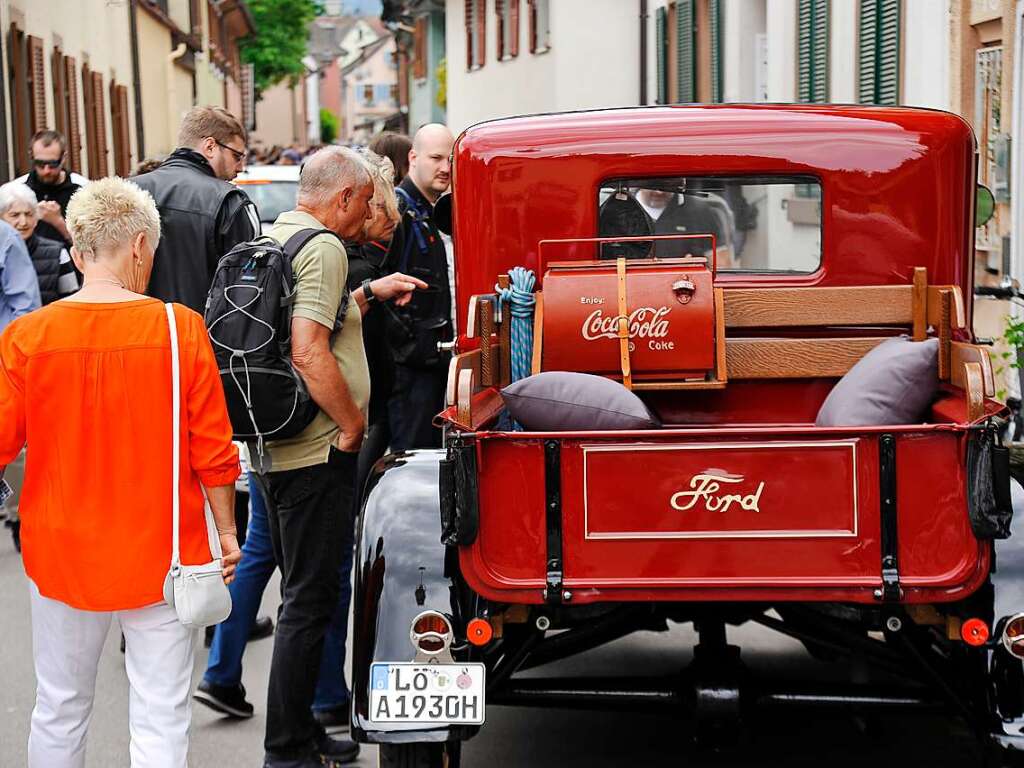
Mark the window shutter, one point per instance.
(470, 29)
(661, 51)
(878, 54)
(37, 73)
(74, 132)
(119, 126)
(419, 67)
(513, 42)
(686, 52)
(101, 122)
(18, 56)
(533, 25)
(499, 27)
(60, 100)
(812, 51)
(715, 24)
(480, 17)
(90, 123)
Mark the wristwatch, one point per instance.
(368, 292)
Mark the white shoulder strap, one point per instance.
(175, 435)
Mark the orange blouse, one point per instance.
(88, 388)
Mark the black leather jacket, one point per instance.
(201, 219)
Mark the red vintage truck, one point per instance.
(729, 265)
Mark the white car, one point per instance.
(273, 188)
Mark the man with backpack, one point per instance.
(414, 332)
(307, 455)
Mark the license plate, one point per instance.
(427, 693)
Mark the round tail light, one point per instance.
(479, 631)
(1013, 635)
(974, 632)
(431, 633)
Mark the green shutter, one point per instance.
(715, 14)
(878, 52)
(686, 52)
(661, 48)
(812, 51)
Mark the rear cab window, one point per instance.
(761, 224)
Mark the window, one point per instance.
(382, 93)
(878, 52)
(419, 48)
(689, 51)
(476, 43)
(17, 52)
(759, 223)
(540, 25)
(507, 12)
(367, 99)
(812, 51)
(65, 106)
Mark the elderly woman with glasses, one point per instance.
(87, 381)
(20, 208)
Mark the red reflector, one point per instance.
(974, 632)
(431, 622)
(479, 632)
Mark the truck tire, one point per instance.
(444, 755)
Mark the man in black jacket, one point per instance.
(202, 216)
(52, 183)
(417, 249)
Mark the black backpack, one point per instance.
(248, 316)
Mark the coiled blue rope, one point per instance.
(518, 300)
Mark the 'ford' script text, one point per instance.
(707, 488)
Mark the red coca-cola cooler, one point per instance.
(668, 337)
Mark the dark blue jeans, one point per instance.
(224, 666)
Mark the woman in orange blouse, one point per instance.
(86, 383)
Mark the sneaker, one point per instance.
(336, 720)
(337, 750)
(228, 700)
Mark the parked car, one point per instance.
(514, 547)
(273, 188)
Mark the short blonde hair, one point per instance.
(201, 122)
(382, 173)
(108, 213)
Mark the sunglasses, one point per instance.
(47, 163)
(239, 156)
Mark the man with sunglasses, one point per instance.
(202, 215)
(53, 184)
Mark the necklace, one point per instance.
(92, 280)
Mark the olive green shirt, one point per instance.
(321, 273)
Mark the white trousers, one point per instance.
(67, 643)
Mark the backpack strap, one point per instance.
(294, 245)
(419, 221)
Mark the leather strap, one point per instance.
(627, 373)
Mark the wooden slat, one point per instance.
(465, 385)
(489, 363)
(794, 358)
(466, 361)
(961, 353)
(782, 307)
(957, 316)
(505, 334)
(721, 367)
(974, 389)
(945, 305)
(919, 303)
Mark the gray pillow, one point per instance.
(894, 383)
(560, 401)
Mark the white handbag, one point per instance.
(197, 593)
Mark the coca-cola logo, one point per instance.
(644, 323)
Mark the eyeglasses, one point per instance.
(239, 156)
(48, 163)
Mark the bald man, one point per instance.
(417, 249)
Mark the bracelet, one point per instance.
(368, 292)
